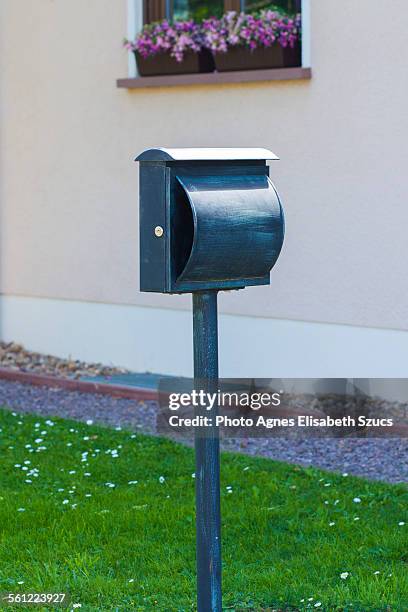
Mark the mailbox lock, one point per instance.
(158, 231)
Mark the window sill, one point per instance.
(215, 78)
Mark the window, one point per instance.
(156, 10)
(289, 6)
(197, 10)
(146, 11)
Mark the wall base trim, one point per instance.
(160, 340)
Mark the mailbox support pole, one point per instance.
(207, 451)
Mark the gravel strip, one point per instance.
(15, 357)
(374, 458)
(103, 409)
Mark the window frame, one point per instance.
(135, 22)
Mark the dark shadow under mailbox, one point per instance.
(209, 219)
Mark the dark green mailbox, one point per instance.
(209, 219)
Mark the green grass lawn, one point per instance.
(72, 518)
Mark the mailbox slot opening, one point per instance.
(182, 229)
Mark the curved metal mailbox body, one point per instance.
(209, 219)
(237, 228)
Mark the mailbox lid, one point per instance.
(237, 229)
(223, 154)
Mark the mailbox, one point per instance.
(209, 219)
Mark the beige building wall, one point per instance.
(69, 227)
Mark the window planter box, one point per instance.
(163, 63)
(292, 56)
(243, 58)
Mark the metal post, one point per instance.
(207, 450)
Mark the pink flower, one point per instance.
(175, 39)
(233, 29)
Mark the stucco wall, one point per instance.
(69, 186)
